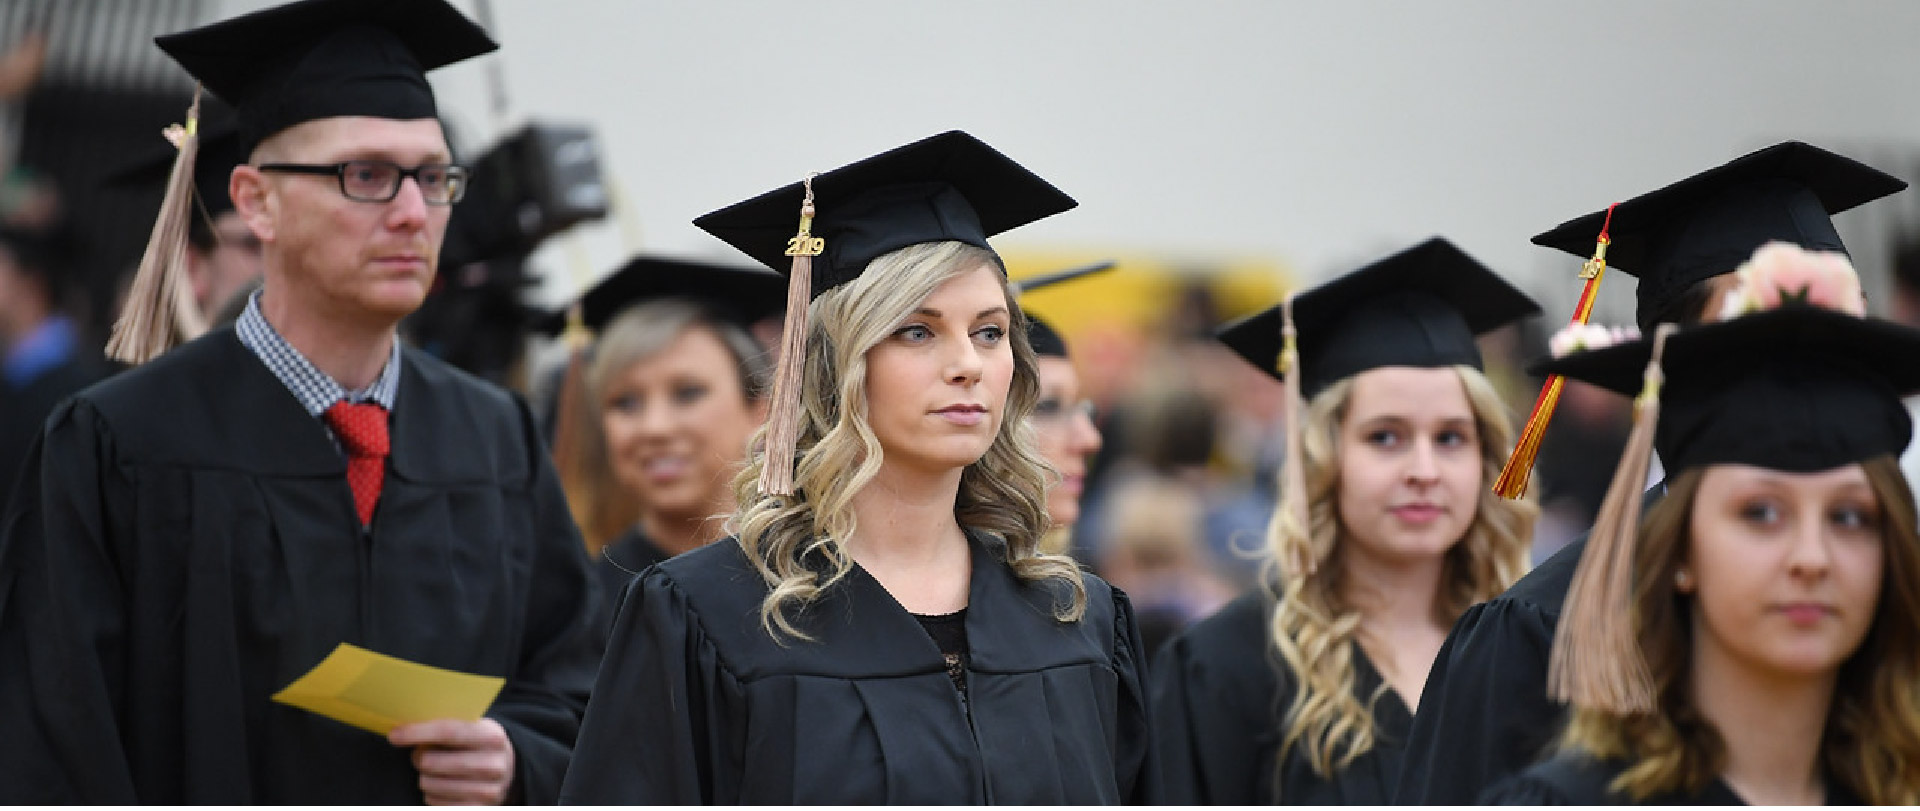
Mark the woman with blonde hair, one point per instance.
(671, 389)
(882, 628)
(1302, 690)
(1756, 638)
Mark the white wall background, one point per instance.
(1318, 133)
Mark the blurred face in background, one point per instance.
(233, 263)
(1063, 427)
(677, 423)
(1410, 464)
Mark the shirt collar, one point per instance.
(313, 388)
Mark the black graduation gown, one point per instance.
(192, 547)
(622, 559)
(1574, 779)
(24, 410)
(1218, 704)
(1484, 712)
(696, 703)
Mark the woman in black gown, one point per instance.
(675, 385)
(883, 628)
(1756, 638)
(1302, 692)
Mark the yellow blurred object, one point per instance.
(377, 692)
(1140, 295)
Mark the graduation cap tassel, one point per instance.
(569, 443)
(1596, 662)
(1518, 470)
(160, 312)
(1293, 470)
(783, 418)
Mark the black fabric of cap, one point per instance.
(1797, 389)
(742, 295)
(947, 187)
(1421, 307)
(212, 168)
(1710, 223)
(1047, 342)
(316, 59)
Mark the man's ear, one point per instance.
(254, 200)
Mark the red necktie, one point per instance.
(362, 429)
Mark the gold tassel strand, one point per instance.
(783, 417)
(571, 409)
(160, 312)
(1596, 662)
(1293, 469)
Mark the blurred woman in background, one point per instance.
(674, 387)
(1302, 690)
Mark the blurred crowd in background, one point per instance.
(1176, 501)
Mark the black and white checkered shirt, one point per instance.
(314, 389)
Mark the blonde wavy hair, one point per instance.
(798, 542)
(1313, 628)
(1872, 740)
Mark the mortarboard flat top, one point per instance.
(1710, 223)
(1420, 307)
(1046, 341)
(947, 187)
(1798, 389)
(315, 59)
(740, 294)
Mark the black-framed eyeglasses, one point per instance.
(371, 181)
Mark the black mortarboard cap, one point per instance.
(1798, 389)
(315, 59)
(1046, 341)
(1420, 307)
(947, 187)
(740, 294)
(219, 152)
(1710, 223)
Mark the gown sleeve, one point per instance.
(540, 708)
(658, 731)
(1486, 714)
(1137, 766)
(62, 620)
(1209, 744)
(1525, 789)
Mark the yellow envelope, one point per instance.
(377, 692)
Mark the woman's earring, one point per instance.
(1683, 579)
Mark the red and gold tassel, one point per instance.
(1515, 475)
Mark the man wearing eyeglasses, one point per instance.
(204, 529)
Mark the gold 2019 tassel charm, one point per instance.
(1518, 470)
(783, 418)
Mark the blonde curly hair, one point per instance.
(798, 542)
(1313, 629)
